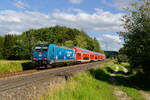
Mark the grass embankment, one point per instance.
(14, 66)
(83, 87)
(125, 85)
(95, 85)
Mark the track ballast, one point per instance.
(20, 81)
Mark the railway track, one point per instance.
(16, 73)
(37, 76)
(10, 74)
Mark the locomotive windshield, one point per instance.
(41, 47)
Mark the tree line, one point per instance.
(136, 48)
(21, 46)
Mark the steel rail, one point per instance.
(10, 83)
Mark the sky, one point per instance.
(98, 18)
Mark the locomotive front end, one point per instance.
(40, 55)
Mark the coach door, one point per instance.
(79, 57)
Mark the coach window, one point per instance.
(79, 54)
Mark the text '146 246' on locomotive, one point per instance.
(50, 54)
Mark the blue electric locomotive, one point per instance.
(40, 55)
(51, 54)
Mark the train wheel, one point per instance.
(45, 66)
(65, 64)
(37, 68)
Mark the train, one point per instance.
(45, 55)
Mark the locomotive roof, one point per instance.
(41, 44)
(65, 47)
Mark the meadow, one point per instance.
(7, 66)
(96, 84)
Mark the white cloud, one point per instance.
(113, 37)
(74, 10)
(20, 4)
(110, 42)
(75, 1)
(13, 32)
(12, 21)
(100, 21)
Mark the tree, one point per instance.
(9, 41)
(137, 36)
(90, 43)
(96, 45)
(1, 46)
(21, 46)
(69, 43)
(29, 38)
(122, 57)
(19, 51)
(81, 42)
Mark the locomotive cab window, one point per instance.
(41, 47)
(44, 48)
(37, 48)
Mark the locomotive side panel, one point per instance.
(65, 54)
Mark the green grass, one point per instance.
(83, 87)
(132, 92)
(14, 66)
(112, 65)
(126, 86)
(120, 68)
(95, 85)
(140, 81)
(126, 65)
